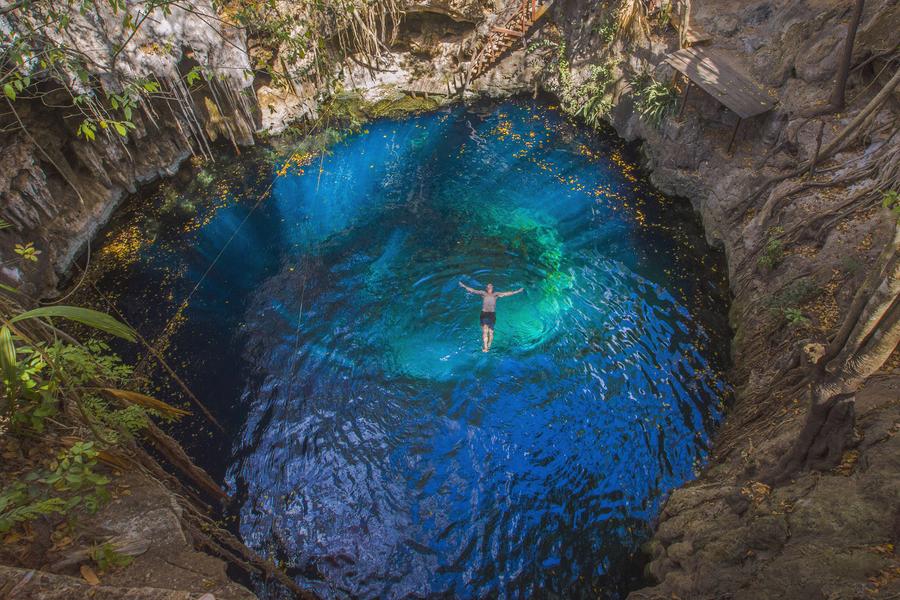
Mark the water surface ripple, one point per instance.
(378, 451)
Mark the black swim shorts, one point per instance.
(488, 318)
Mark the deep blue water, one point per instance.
(372, 446)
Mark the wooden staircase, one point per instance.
(499, 39)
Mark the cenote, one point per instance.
(371, 446)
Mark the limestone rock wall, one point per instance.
(57, 189)
(726, 535)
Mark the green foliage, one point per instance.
(608, 29)
(39, 50)
(654, 100)
(204, 178)
(851, 264)
(891, 200)
(795, 317)
(27, 251)
(30, 395)
(88, 130)
(664, 15)
(36, 375)
(69, 482)
(346, 108)
(16, 507)
(773, 252)
(793, 295)
(85, 316)
(93, 362)
(540, 44)
(593, 95)
(74, 477)
(400, 105)
(108, 559)
(193, 76)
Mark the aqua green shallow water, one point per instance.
(373, 448)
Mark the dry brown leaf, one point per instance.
(89, 575)
(146, 401)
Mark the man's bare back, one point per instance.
(488, 311)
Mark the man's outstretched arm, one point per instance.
(470, 290)
(512, 293)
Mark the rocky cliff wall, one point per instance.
(58, 188)
(800, 247)
(822, 534)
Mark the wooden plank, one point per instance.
(722, 79)
(693, 36)
(505, 31)
(541, 11)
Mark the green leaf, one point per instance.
(85, 316)
(9, 91)
(193, 75)
(8, 355)
(120, 129)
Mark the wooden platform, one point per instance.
(719, 76)
(694, 36)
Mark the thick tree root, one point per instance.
(821, 444)
(176, 456)
(223, 543)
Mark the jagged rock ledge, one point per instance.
(725, 535)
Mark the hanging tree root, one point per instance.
(884, 171)
(222, 542)
(835, 145)
(206, 533)
(175, 454)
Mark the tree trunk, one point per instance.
(840, 82)
(871, 337)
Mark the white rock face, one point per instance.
(161, 43)
(56, 189)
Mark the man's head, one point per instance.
(490, 287)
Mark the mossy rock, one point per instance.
(402, 105)
(350, 107)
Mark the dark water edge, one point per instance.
(212, 450)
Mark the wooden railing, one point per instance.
(499, 39)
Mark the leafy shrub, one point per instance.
(593, 96)
(664, 15)
(68, 482)
(773, 252)
(108, 558)
(608, 29)
(795, 317)
(40, 367)
(654, 100)
(794, 294)
(891, 200)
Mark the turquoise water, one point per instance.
(373, 448)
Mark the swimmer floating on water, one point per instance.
(488, 311)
